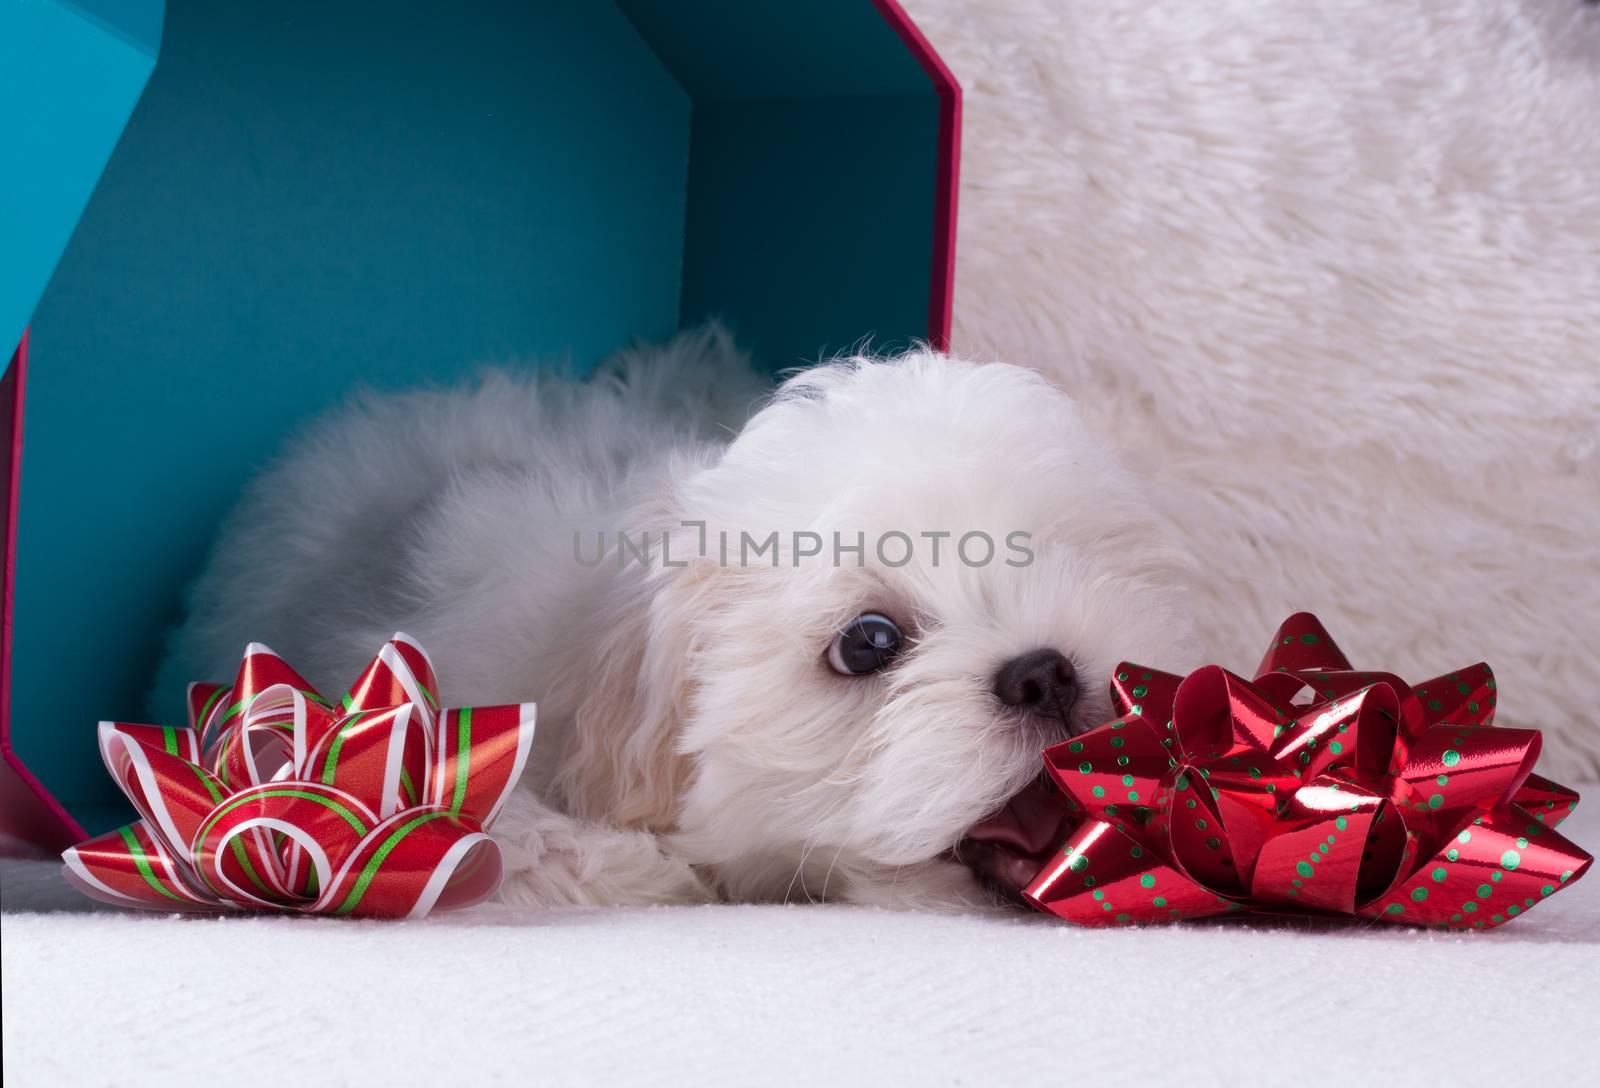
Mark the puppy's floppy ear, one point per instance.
(622, 765)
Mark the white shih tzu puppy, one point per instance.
(810, 655)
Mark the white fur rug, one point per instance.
(787, 995)
(1330, 271)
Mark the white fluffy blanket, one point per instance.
(1330, 271)
(790, 995)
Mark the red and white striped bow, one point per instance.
(275, 799)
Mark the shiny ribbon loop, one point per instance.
(1314, 787)
(274, 800)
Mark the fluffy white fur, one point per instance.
(1330, 271)
(693, 742)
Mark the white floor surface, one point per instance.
(788, 995)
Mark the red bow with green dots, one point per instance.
(1313, 788)
(274, 799)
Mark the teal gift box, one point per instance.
(220, 218)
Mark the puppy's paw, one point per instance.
(941, 887)
(553, 860)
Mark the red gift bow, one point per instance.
(274, 800)
(1211, 793)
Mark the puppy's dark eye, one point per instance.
(866, 645)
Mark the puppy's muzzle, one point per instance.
(1041, 682)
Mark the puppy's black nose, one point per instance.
(1042, 681)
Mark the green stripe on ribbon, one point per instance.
(211, 699)
(463, 756)
(140, 859)
(333, 749)
(327, 802)
(236, 707)
(346, 702)
(383, 851)
(243, 859)
(428, 695)
(169, 739)
(407, 785)
(205, 780)
(222, 757)
(240, 855)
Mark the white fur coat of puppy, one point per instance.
(717, 724)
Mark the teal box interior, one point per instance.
(313, 195)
